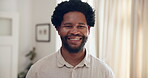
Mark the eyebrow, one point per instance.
(67, 23)
(71, 23)
(81, 23)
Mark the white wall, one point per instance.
(8, 5)
(25, 35)
(41, 13)
(33, 12)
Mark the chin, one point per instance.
(73, 49)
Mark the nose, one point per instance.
(74, 31)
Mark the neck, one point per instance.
(73, 58)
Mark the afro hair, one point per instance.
(69, 6)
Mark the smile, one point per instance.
(74, 38)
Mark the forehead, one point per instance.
(74, 17)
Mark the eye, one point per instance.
(81, 27)
(68, 27)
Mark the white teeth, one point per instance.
(74, 39)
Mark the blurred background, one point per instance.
(119, 38)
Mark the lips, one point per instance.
(74, 39)
(69, 38)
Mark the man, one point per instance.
(72, 20)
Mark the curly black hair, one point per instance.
(69, 6)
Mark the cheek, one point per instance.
(87, 32)
(62, 32)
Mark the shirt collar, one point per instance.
(86, 60)
(61, 62)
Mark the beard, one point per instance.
(72, 49)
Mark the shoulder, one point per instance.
(96, 61)
(44, 64)
(45, 61)
(102, 67)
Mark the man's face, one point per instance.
(73, 31)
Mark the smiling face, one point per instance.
(73, 31)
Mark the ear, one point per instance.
(89, 29)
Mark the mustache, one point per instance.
(78, 35)
(74, 35)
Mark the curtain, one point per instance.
(139, 60)
(114, 35)
(121, 36)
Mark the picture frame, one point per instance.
(43, 32)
